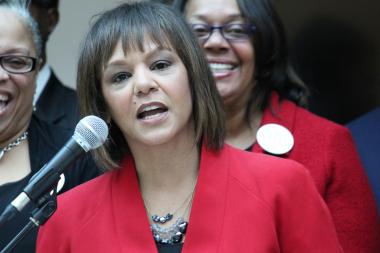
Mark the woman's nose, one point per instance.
(216, 41)
(143, 82)
(4, 75)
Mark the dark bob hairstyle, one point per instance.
(132, 24)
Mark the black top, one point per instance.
(44, 142)
(175, 248)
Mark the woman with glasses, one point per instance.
(245, 46)
(173, 185)
(26, 143)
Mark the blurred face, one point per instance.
(232, 62)
(47, 19)
(16, 90)
(147, 95)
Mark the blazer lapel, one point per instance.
(38, 143)
(132, 225)
(207, 213)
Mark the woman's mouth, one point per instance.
(216, 67)
(4, 100)
(220, 70)
(151, 111)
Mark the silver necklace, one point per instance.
(167, 217)
(171, 235)
(174, 233)
(11, 145)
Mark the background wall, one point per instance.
(63, 45)
(335, 46)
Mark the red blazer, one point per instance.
(328, 152)
(243, 202)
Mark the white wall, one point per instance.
(63, 45)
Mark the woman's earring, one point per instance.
(108, 120)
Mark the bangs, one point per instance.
(134, 39)
(133, 29)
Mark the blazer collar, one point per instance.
(206, 218)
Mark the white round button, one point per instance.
(275, 139)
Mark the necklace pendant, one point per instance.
(162, 219)
(1, 153)
(170, 235)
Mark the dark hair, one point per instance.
(273, 70)
(46, 3)
(131, 23)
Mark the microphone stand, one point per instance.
(38, 217)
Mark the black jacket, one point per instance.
(44, 142)
(58, 104)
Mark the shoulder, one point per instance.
(89, 191)
(74, 209)
(57, 84)
(257, 162)
(79, 203)
(56, 93)
(313, 127)
(260, 172)
(302, 114)
(369, 121)
(273, 183)
(68, 92)
(53, 135)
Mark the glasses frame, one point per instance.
(31, 68)
(248, 27)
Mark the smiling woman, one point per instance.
(26, 143)
(172, 184)
(245, 45)
(18, 60)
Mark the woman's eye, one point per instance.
(200, 30)
(235, 29)
(160, 65)
(119, 77)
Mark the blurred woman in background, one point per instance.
(246, 49)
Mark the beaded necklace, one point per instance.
(173, 234)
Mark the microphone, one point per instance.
(90, 133)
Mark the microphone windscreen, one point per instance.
(91, 132)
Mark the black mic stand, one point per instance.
(38, 217)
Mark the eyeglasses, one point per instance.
(230, 32)
(17, 64)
